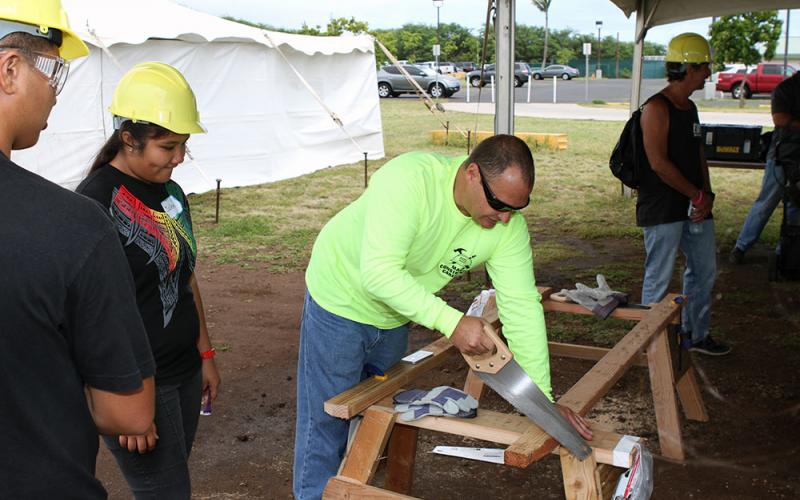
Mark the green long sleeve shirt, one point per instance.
(381, 259)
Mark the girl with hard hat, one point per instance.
(154, 112)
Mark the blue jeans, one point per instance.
(333, 351)
(164, 472)
(759, 214)
(662, 242)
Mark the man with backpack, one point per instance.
(675, 199)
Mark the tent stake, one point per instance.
(469, 139)
(216, 214)
(447, 133)
(365, 170)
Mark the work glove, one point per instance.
(439, 401)
(601, 300)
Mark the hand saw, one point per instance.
(503, 374)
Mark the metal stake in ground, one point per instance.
(365, 170)
(216, 213)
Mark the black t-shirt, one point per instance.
(658, 203)
(67, 319)
(786, 96)
(785, 99)
(155, 226)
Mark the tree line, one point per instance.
(414, 42)
(745, 38)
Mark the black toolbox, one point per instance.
(731, 142)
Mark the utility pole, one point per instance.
(599, 25)
(786, 44)
(437, 49)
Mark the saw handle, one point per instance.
(494, 361)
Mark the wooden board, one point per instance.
(353, 401)
(665, 401)
(343, 488)
(400, 459)
(506, 429)
(600, 378)
(370, 439)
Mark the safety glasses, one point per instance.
(54, 68)
(493, 201)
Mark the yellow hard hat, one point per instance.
(689, 48)
(43, 18)
(157, 93)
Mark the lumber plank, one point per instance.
(506, 429)
(400, 459)
(622, 312)
(474, 385)
(361, 459)
(608, 479)
(343, 488)
(662, 384)
(360, 397)
(587, 352)
(581, 478)
(582, 396)
(691, 398)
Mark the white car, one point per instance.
(729, 68)
(445, 68)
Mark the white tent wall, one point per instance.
(263, 124)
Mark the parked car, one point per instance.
(521, 72)
(560, 70)
(729, 68)
(762, 80)
(445, 68)
(392, 83)
(465, 66)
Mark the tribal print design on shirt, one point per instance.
(160, 236)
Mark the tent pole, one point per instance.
(504, 58)
(636, 74)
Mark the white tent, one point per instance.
(263, 124)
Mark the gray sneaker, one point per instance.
(710, 347)
(736, 257)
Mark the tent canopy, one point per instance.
(106, 23)
(263, 124)
(659, 12)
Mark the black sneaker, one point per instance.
(736, 257)
(710, 347)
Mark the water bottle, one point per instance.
(694, 227)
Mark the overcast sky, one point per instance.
(470, 13)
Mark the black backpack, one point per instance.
(626, 159)
(787, 158)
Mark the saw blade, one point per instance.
(516, 387)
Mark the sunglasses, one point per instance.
(54, 68)
(493, 201)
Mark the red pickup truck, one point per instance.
(759, 80)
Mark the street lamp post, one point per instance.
(599, 25)
(438, 5)
(438, 47)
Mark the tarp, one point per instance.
(263, 125)
(673, 11)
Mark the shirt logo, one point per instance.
(460, 262)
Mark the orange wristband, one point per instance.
(208, 354)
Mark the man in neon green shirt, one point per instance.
(376, 265)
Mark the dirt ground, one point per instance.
(748, 450)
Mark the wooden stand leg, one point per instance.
(361, 460)
(345, 488)
(581, 479)
(400, 461)
(691, 397)
(662, 383)
(474, 385)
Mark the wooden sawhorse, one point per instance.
(645, 345)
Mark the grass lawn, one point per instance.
(575, 200)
